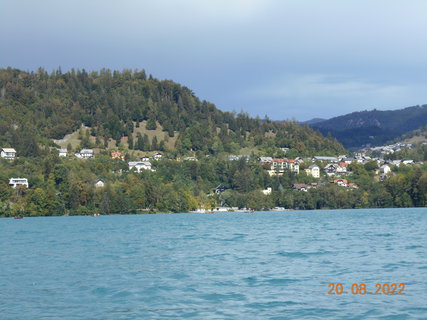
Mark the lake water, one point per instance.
(263, 265)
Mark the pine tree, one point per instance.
(151, 124)
(146, 143)
(154, 145)
(130, 141)
(139, 142)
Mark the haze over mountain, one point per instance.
(373, 127)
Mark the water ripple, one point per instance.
(266, 265)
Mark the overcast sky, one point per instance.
(282, 58)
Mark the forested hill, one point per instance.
(36, 107)
(414, 136)
(373, 127)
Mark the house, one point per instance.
(315, 185)
(234, 157)
(299, 160)
(264, 160)
(385, 169)
(8, 153)
(219, 189)
(267, 191)
(157, 156)
(145, 158)
(118, 155)
(341, 182)
(85, 154)
(408, 162)
(15, 182)
(300, 187)
(279, 166)
(341, 168)
(99, 183)
(190, 159)
(140, 165)
(330, 169)
(293, 166)
(348, 160)
(396, 162)
(322, 158)
(62, 152)
(313, 171)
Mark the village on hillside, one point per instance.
(324, 170)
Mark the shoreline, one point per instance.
(206, 212)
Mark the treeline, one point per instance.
(37, 106)
(66, 186)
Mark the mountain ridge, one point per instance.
(378, 126)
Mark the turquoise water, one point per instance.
(264, 265)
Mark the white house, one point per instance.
(348, 160)
(396, 162)
(190, 159)
(157, 156)
(62, 152)
(333, 169)
(8, 153)
(265, 159)
(99, 183)
(85, 154)
(313, 171)
(342, 168)
(385, 169)
(322, 158)
(266, 191)
(280, 166)
(140, 165)
(14, 182)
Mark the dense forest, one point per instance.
(113, 107)
(61, 186)
(37, 106)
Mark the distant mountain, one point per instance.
(373, 127)
(313, 121)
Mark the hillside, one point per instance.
(373, 127)
(414, 136)
(130, 110)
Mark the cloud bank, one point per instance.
(289, 58)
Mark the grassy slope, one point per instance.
(73, 138)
